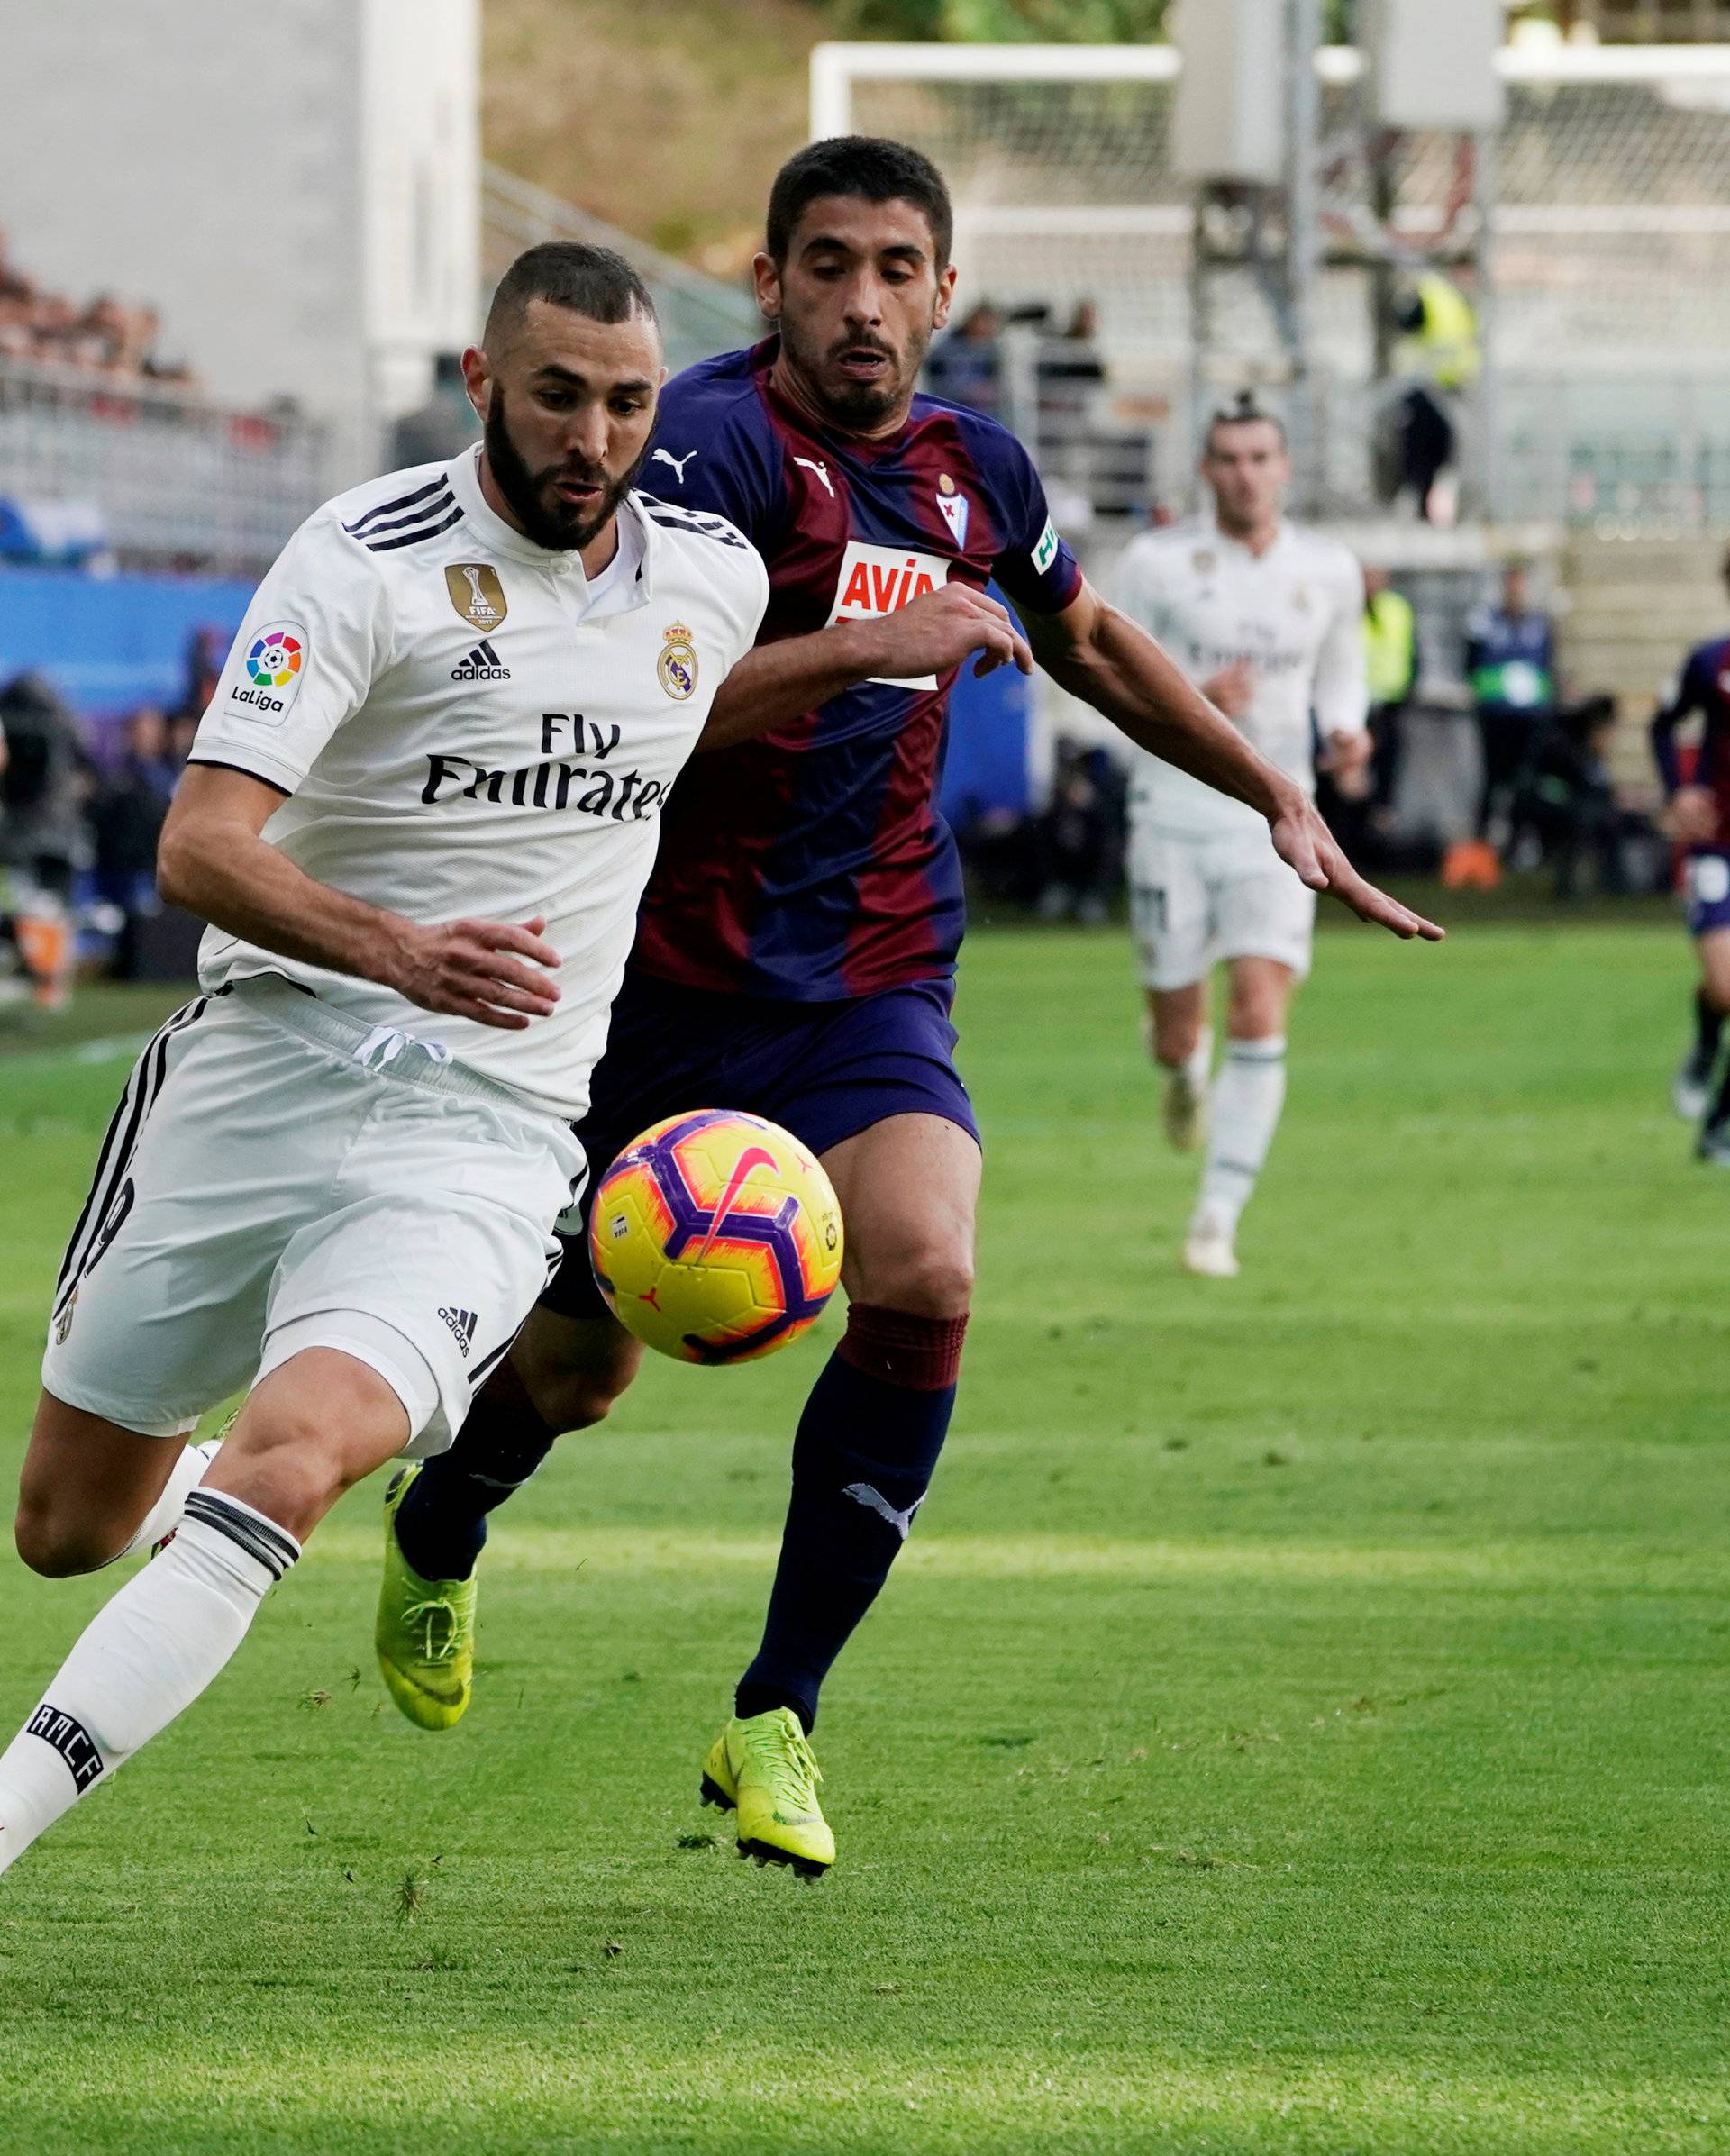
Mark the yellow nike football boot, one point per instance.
(764, 1770)
(425, 1631)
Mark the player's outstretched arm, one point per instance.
(214, 862)
(776, 683)
(1098, 654)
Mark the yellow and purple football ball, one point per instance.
(715, 1237)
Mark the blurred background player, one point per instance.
(1267, 619)
(797, 951)
(1699, 787)
(1511, 668)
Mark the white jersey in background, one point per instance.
(1294, 614)
(469, 728)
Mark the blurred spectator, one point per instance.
(1574, 804)
(443, 426)
(106, 336)
(1510, 665)
(1079, 839)
(1392, 664)
(183, 730)
(126, 819)
(967, 367)
(207, 652)
(42, 791)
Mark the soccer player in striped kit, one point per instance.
(795, 955)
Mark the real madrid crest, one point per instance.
(1300, 598)
(676, 665)
(1203, 561)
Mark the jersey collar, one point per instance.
(1281, 538)
(500, 537)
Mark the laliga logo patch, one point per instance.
(676, 665)
(275, 667)
(477, 592)
(879, 580)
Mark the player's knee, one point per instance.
(933, 1279)
(59, 1544)
(570, 1374)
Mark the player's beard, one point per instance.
(852, 406)
(543, 517)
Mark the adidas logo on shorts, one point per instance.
(462, 1323)
(482, 664)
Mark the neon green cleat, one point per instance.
(425, 1632)
(764, 1770)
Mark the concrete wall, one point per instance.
(292, 182)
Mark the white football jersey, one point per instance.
(467, 728)
(1295, 612)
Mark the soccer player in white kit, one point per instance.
(463, 690)
(1266, 619)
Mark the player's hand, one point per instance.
(1347, 762)
(938, 631)
(1233, 689)
(1301, 838)
(485, 971)
(1693, 814)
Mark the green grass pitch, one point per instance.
(1300, 1722)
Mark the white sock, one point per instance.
(144, 1657)
(1198, 1065)
(184, 1476)
(1248, 1096)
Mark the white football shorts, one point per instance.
(1224, 895)
(278, 1177)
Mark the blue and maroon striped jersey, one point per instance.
(1702, 686)
(811, 864)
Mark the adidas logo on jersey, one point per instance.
(482, 664)
(462, 1323)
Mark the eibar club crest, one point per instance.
(955, 509)
(477, 592)
(676, 665)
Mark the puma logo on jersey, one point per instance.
(678, 463)
(482, 664)
(821, 471)
(874, 1501)
(878, 580)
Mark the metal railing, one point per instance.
(699, 314)
(176, 480)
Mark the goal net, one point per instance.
(1610, 182)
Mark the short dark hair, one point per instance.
(570, 273)
(1245, 410)
(866, 166)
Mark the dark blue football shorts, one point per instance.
(825, 1071)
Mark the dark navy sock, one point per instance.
(1708, 1029)
(862, 1462)
(442, 1521)
(1718, 1116)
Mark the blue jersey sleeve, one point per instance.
(712, 451)
(1690, 693)
(1035, 567)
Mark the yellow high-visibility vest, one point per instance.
(1389, 646)
(1446, 347)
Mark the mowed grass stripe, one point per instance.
(1301, 1723)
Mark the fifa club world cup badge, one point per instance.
(477, 592)
(676, 665)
